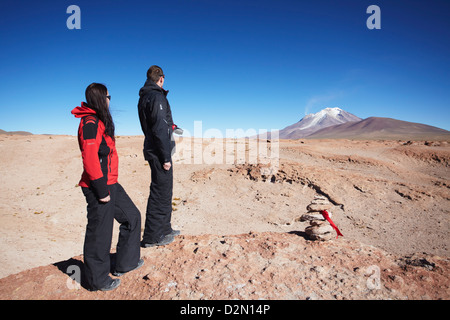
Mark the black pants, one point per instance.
(159, 205)
(99, 230)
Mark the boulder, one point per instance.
(318, 207)
(312, 217)
(319, 229)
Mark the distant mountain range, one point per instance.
(24, 133)
(317, 121)
(382, 128)
(335, 123)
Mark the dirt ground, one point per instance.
(393, 195)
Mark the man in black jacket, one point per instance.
(157, 124)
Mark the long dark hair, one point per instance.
(96, 100)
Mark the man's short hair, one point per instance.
(154, 73)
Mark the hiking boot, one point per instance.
(164, 241)
(111, 286)
(175, 233)
(119, 273)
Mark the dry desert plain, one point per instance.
(239, 218)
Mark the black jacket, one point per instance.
(156, 122)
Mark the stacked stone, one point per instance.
(319, 228)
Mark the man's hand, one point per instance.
(106, 199)
(167, 166)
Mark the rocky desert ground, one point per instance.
(241, 233)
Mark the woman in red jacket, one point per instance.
(105, 197)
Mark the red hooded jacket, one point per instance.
(100, 160)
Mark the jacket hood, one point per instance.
(151, 86)
(82, 111)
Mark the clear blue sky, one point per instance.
(231, 64)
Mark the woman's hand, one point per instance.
(167, 166)
(106, 199)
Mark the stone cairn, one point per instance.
(319, 228)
